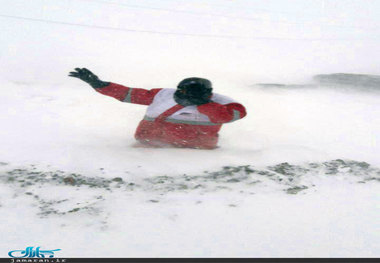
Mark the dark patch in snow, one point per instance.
(296, 189)
(370, 81)
(346, 81)
(244, 180)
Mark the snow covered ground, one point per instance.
(298, 177)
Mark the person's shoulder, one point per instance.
(164, 90)
(163, 93)
(222, 99)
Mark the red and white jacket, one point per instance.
(168, 123)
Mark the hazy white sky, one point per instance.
(301, 38)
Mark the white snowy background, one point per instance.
(301, 171)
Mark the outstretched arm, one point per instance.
(127, 94)
(119, 92)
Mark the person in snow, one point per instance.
(189, 116)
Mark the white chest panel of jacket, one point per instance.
(164, 100)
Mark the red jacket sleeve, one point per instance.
(219, 113)
(127, 94)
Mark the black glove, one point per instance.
(89, 77)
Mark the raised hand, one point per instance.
(88, 77)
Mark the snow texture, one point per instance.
(298, 177)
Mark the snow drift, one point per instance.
(298, 177)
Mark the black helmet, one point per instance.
(193, 91)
